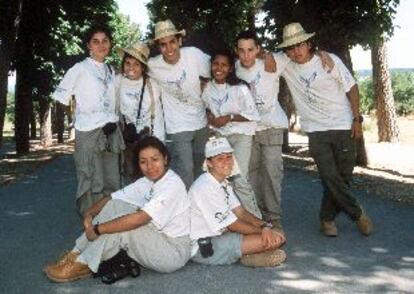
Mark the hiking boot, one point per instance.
(277, 226)
(69, 271)
(365, 225)
(268, 258)
(67, 257)
(329, 228)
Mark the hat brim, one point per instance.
(121, 52)
(296, 40)
(182, 33)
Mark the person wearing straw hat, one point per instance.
(328, 105)
(98, 139)
(178, 71)
(222, 231)
(140, 104)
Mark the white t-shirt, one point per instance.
(264, 87)
(92, 84)
(165, 201)
(320, 97)
(211, 207)
(129, 97)
(180, 84)
(223, 99)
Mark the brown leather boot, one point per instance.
(365, 225)
(67, 257)
(329, 228)
(69, 271)
(268, 258)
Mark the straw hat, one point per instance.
(166, 28)
(293, 34)
(139, 50)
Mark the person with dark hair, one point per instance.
(266, 164)
(232, 113)
(328, 105)
(140, 104)
(149, 219)
(98, 139)
(178, 71)
(222, 231)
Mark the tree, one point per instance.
(388, 130)
(43, 49)
(207, 23)
(10, 14)
(339, 24)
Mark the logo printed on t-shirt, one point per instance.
(175, 87)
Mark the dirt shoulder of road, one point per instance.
(386, 183)
(13, 167)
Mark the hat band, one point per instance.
(141, 55)
(167, 30)
(295, 35)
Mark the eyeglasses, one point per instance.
(299, 45)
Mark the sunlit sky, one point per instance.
(400, 47)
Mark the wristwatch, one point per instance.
(358, 119)
(266, 225)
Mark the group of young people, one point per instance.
(151, 182)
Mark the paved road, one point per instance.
(38, 222)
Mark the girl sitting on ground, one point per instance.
(149, 219)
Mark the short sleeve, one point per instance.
(342, 74)
(203, 62)
(233, 200)
(66, 87)
(134, 193)
(163, 207)
(282, 61)
(217, 213)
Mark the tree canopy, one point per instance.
(207, 22)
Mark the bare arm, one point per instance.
(269, 237)
(121, 224)
(244, 228)
(270, 64)
(92, 211)
(353, 96)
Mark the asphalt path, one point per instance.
(38, 222)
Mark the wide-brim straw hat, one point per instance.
(293, 34)
(166, 28)
(139, 51)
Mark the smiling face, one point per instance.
(99, 46)
(221, 68)
(170, 48)
(221, 166)
(132, 68)
(247, 51)
(152, 163)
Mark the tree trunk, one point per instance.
(286, 103)
(22, 113)
(4, 65)
(59, 121)
(45, 122)
(33, 124)
(388, 130)
(9, 16)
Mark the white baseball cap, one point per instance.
(216, 146)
